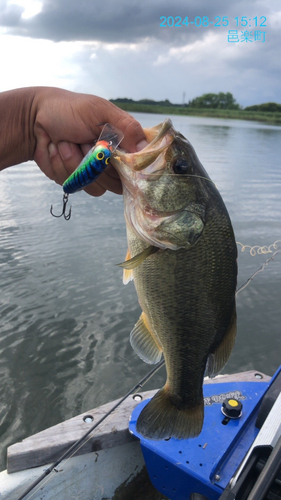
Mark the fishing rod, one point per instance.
(75, 446)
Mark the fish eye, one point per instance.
(107, 161)
(100, 156)
(180, 166)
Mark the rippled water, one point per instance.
(65, 315)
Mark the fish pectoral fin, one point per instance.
(219, 357)
(144, 343)
(138, 259)
(128, 274)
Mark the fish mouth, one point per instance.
(155, 134)
(159, 139)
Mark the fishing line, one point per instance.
(80, 442)
(260, 270)
(174, 175)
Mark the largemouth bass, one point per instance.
(182, 257)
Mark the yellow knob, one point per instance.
(233, 402)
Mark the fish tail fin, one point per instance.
(162, 418)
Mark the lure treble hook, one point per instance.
(64, 201)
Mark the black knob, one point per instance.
(232, 408)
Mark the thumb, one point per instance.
(134, 137)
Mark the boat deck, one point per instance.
(109, 465)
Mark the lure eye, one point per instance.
(181, 166)
(107, 161)
(100, 156)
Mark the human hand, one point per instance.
(65, 128)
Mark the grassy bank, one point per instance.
(268, 117)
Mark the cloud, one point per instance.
(118, 49)
(149, 69)
(10, 15)
(123, 21)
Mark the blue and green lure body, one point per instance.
(92, 165)
(96, 160)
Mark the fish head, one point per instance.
(165, 189)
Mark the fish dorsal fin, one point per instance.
(218, 359)
(138, 259)
(144, 343)
(128, 274)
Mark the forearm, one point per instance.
(17, 116)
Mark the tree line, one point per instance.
(207, 101)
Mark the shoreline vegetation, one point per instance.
(209, 105)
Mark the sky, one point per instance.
(116, 48)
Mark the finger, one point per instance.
(132, 132)
(42, 155)
(134, 137)
(63, 160)
(85, 148)
(70, 156)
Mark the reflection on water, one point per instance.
(65, 315)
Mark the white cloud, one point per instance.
(31, 7)
(26, 62)
(274, 20)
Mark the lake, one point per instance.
(65, 314)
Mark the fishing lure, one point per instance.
(92, 165)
